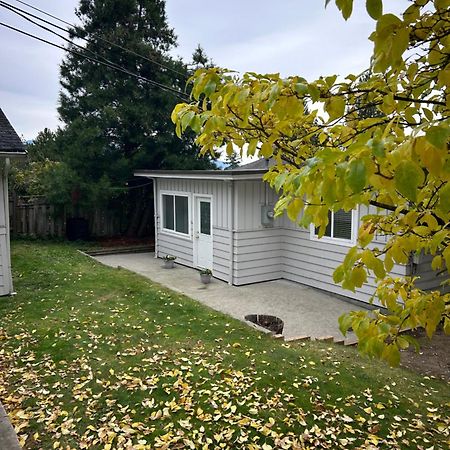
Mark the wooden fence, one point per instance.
(34, 217)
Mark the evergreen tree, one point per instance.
(116, 123)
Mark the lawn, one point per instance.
(100, 358)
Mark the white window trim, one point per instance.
(168, 231)
(338, 241)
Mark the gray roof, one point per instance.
(9, 140)
(259, 164)
(253, 170)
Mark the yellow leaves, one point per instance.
(266, 150)
(374, 8)
(358, 276)
(444, 200)
(391, 40)
(408, 177)
(366, 233)
(335, 107)
(373, 263)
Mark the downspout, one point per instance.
(155, 215)
(231, 214)
(8, 244)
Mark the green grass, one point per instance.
(93, 357)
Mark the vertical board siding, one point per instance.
(183, 248)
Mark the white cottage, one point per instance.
(10, 147)
(223, 220)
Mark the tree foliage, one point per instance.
(394, 160)
(115, 123)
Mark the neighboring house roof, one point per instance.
(259, 164)
(223, 175)
(10, 142)
(253, 170)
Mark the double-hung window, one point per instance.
(175, 213)
(341, 226)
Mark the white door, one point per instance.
(203, 233)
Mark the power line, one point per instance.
(87, 39)
(43, 12)
(3, 5)
(179, 94)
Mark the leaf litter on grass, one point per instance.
(106, 360)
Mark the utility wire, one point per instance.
(178, 93)
(87, 39)
(95, 55)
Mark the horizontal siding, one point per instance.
(183, 249)
(173, 245)
(257, 256)
(221, 254)
(428, 277)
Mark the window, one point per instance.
(341, 225)
(175, 213)
(205, 217)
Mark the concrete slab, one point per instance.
(304, 310)
(8, 437)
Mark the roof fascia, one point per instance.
(206, 176)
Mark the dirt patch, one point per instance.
(433, 358)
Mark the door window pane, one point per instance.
(181, 215)
(205, 217)
(168, 219)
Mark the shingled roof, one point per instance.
(9, 140)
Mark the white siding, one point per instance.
(5, 263)
(267, 253)
(286, 250)
(257, 256)
(429, 278)
(257, 250)
(221, 253)
(183, 247)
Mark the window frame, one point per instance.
(188, 235)
(338, 241)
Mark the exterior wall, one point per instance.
(428, 277)
(5, 264)
(183, 247)
(257, 250)
(313, 262)
(286, 250)
(266, 253)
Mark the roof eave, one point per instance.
(13, 154)
(202, 175)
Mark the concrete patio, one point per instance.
(304, 310)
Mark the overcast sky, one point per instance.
(291, 37)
